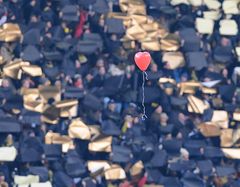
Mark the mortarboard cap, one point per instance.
(189, 179)
(173, 60)
(193, 147)
(213, 15)
(120, 154)
(182, 165)
(78, 129)
(8, 154)
(154, 175)
(224, 171)
(169, 181)
(101, 144)
(213, 152)
(41, 171)
(73, 92)
(31, 53)
(53, 55)
(26, 180)
(227, 138)
(137, 168)
(172, 146)
(227, 92)
(231, 153)
(30, 154)
(9, 125)
(222, 54)
(212, 4)
(10, 32)
(88, 101)
(196, 105)
(87, 47)
(67, 108)
(167, 129)
(115, 172)
(170, 42)
(115, 26)
(61, 179)
(41, 184)
(109, 128)
(74, 166)
(209, 129)
(151, 94)
(204, 26)
(196, 60)
(29, 117)
(100, 6)
(230, 7)
(32, 37)
(159, 159)
(86, 4)
(220, 117)
(70, 13)
(228, 27)
(47, 92)
(53, 151)
(97, 166)
(205, 167)
(191, 40)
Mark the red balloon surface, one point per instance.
(142, 60)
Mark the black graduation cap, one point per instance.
(207, 114)
(74, 166)
(170, 181)
(190, 179)
(53, 55)
(70, 13)
(159, 159)
(41, 171)
(87, 47)
(66, 44)
(172, 146)
(115, 26)
(230, 107)
(205, 167)
(73, 92)
(191, 40)
(92, 102)
(30, 154)
(112, 85)
(30, 117)
(31, 53)
(222, 54)
(121, 154)
(182, 165)
(6, 93)
(9, 125)
(167, 129)
(179, 103)
(58, 33)
(61, 179)
(93, 37)
(151, 94)
(14, 102)
(53, 151)
(196, 60)
(227, 92)
(213, 152)
(156, 4)
(100, 6)
(193, 147)
(168, 10)
(224, 171)
(85, 3)
(32, 37)
(154, 75)
(154, 175)
(108, 127)
(51, 72)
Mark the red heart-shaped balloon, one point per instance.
(142, 60)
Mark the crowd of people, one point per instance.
(71, 94)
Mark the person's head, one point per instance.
(2, 177)
(102, 71)
(159, 109)
(77, 64)
(100, 63)
(9, 140)
(154, 67)
(5, 83)
(163, 118)
(34, 19)
(112, 106)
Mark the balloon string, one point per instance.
(144, 116)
